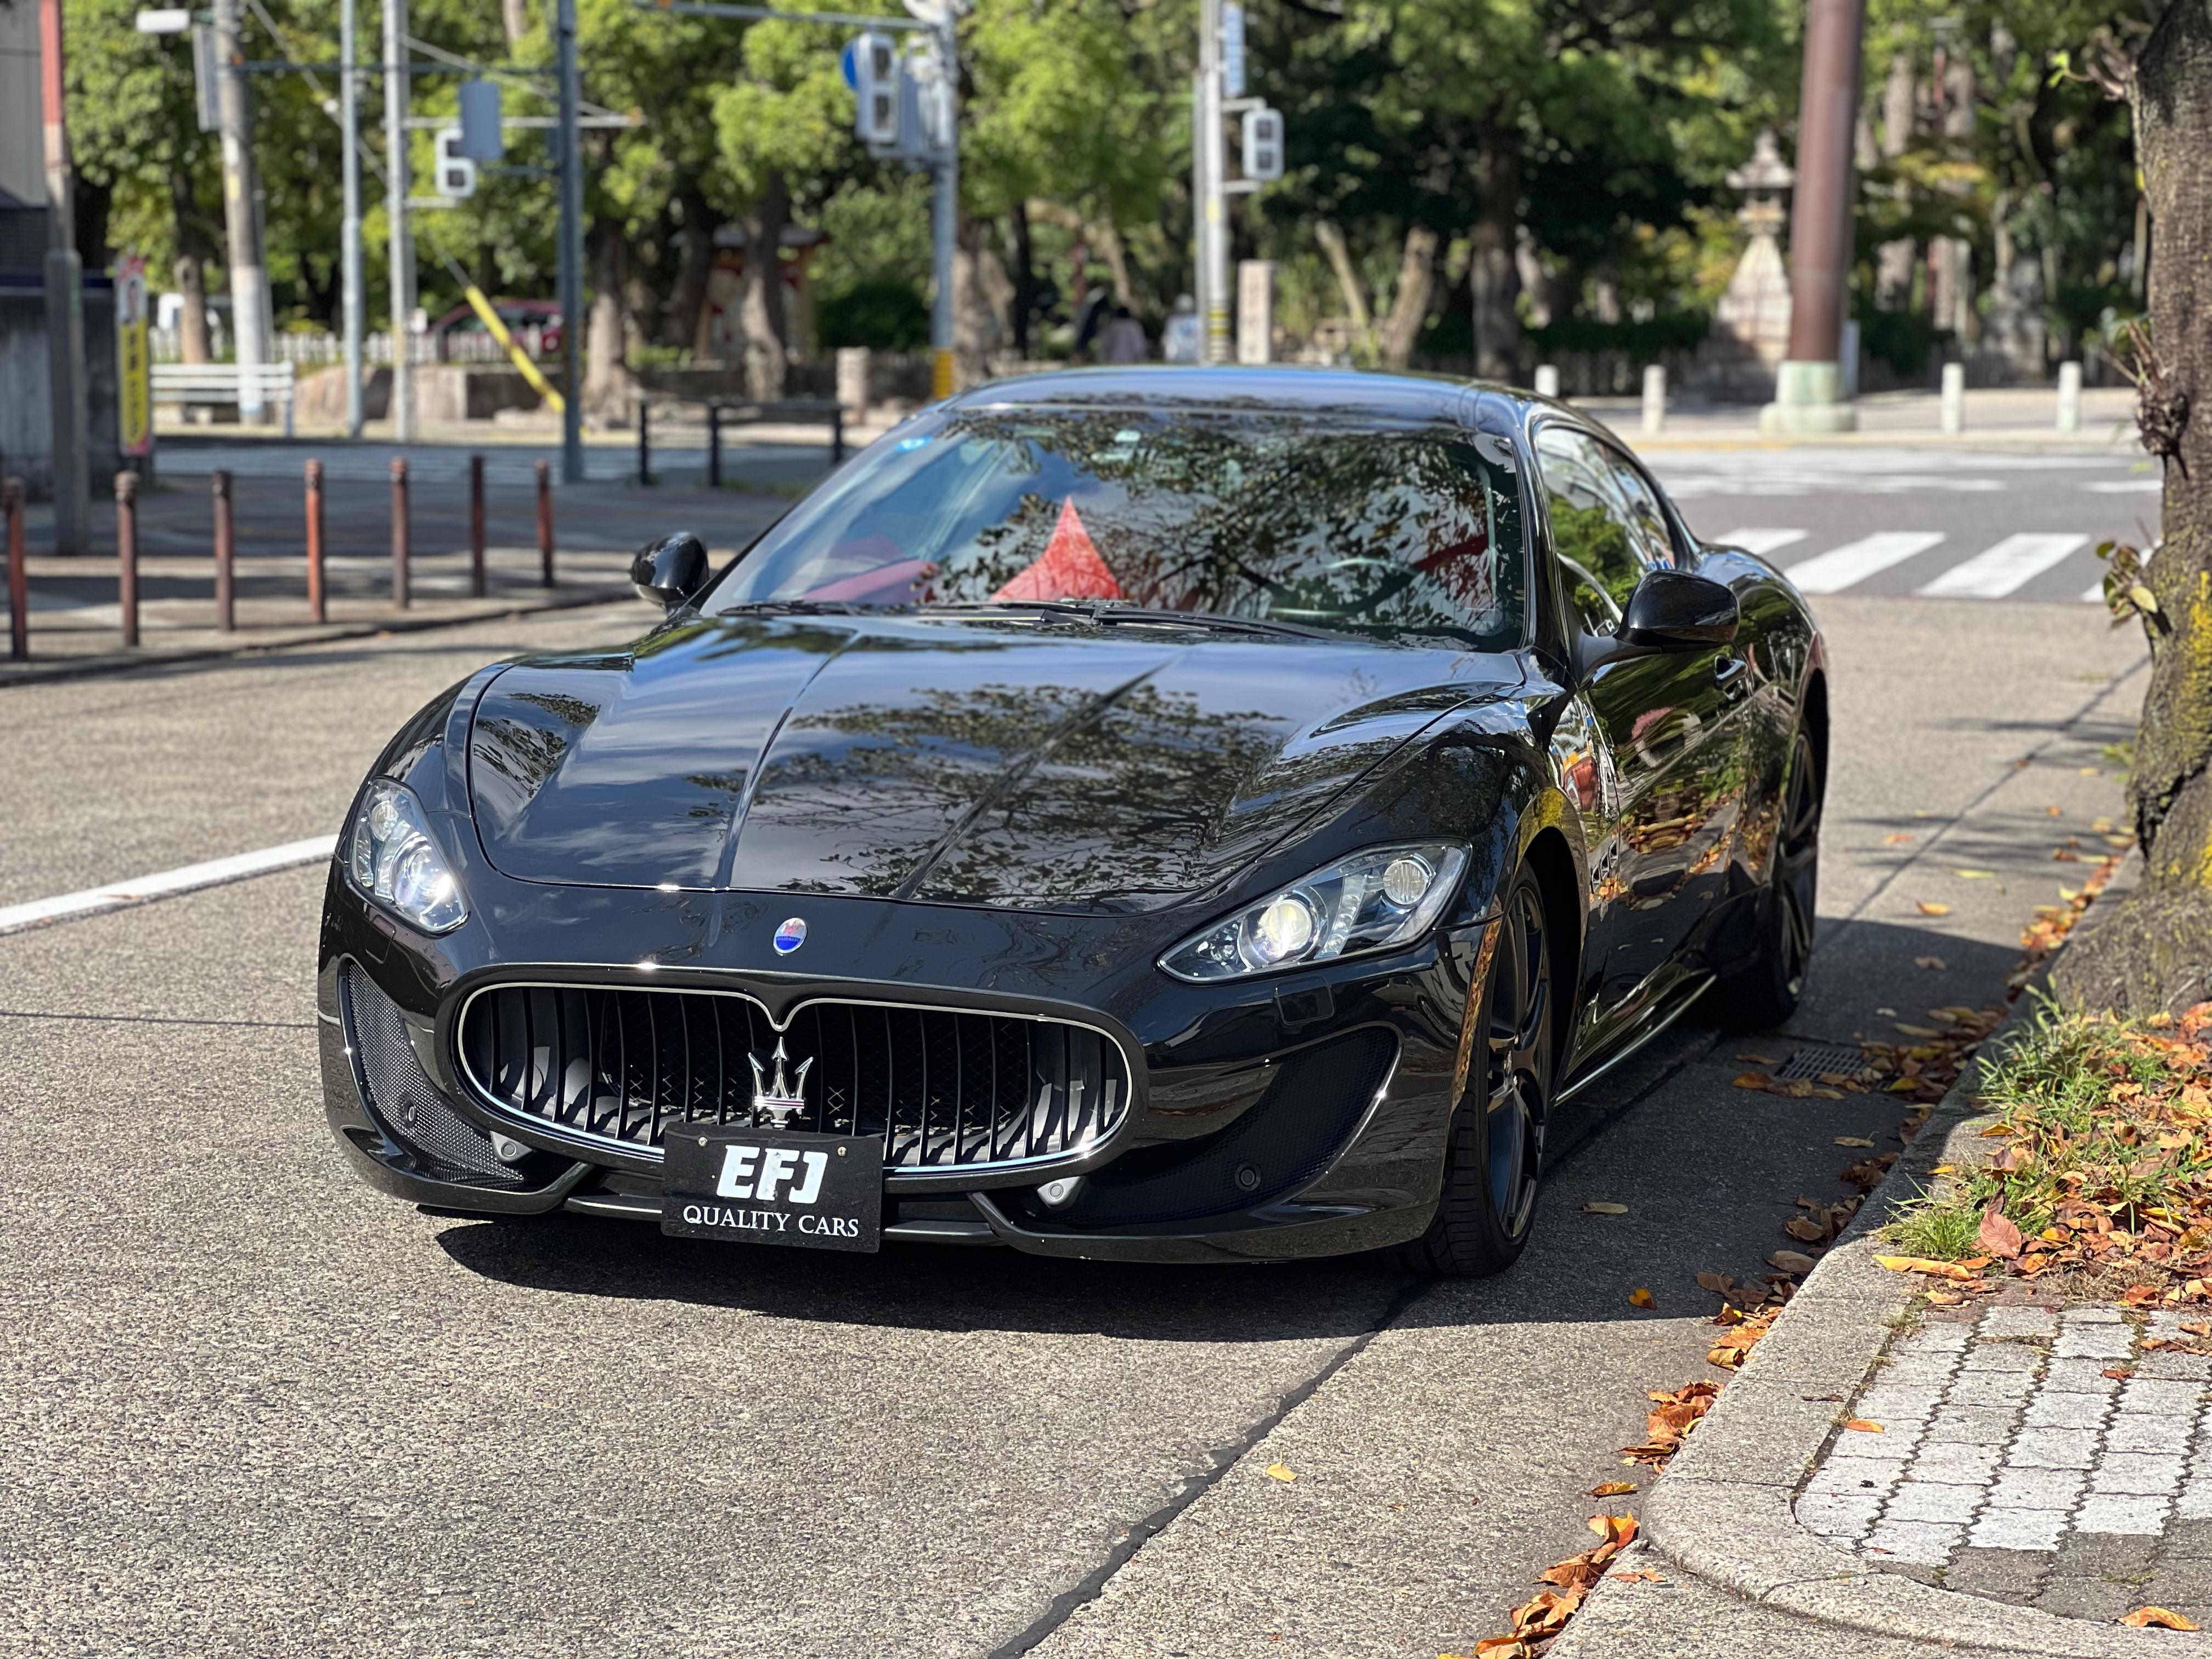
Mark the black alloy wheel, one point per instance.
(1495, 1155)
(1763, 991)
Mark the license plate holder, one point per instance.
(773, 1187)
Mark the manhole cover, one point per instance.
(1816, 1058)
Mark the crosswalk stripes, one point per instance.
(1847, 566)
(2004, 568)
(1998, 571)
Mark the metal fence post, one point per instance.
(2069, 397)
(1952, 411)
(713, 445)
(546, 522)
(836, 437)
(19, 583)
(401, 531)
(126, 553)
(1655, 398)
(318, 603)
(226, 555)
(476, 527)
(644, 441)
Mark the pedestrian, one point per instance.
(1123, 340)
(1179, 340)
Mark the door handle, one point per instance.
(1730, 673)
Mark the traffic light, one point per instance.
(1262, 150)
(876, 84)
(455, 173)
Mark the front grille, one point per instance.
(412, 1108)
(944, 1089)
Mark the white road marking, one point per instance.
(118, 896)
(2127, 486)
(1847, 566)
(2007, 567)
(1761, 541)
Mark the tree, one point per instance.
(2156, 951)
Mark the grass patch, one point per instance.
(1939, 1228)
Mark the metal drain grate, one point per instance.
(1815, 1058)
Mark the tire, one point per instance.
(1762, 991)
(1495, 1154)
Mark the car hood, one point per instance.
(963, 761)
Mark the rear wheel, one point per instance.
(1763, 991)
(1496, 1151)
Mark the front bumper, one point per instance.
(1338, 1083)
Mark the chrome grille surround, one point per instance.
(952, 1091)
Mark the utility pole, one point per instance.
(241, 218)
(1808, 393)
(1213, 208)
(571, 273)
(65, 360)
(403, 244)
(945, 221)
(349, 237)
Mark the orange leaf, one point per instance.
(1930, 907)
(1640, 1297)
(1613, 1489)
(2158, 1619)
(1860, 1424)
(1753, 1080)
(1920, 1264)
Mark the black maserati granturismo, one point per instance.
(1155, 815)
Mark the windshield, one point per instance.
(1270, 517)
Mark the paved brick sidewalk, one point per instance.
(2014, 1463)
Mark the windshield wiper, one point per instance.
(1104, 611)
(790, 608)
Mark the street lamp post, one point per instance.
(350, 233)
(402, 243)
(571, 271)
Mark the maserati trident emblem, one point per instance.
(791, 936)
(778, 1099)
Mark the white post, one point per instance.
(853, 382)
(1655, 399)
(249, 301)
(402, 245)
(1547, 380)
(1256, 311)
(1954, 397)
(2069, 397)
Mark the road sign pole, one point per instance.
(349, 262)
(571, 276)
(65, 284)
(1213, 216)
(241, 220)
(402, 244)
(945, 211)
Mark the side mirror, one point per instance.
(671, 571)
(1676, 610)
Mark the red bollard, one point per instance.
(19, 581)
(126, 553)
(476, 527)
(317, 606)
(545, 524)
(401, 531)
(226, 555)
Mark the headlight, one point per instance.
(396, 864)
(1386, 896)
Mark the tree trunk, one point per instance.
(983, 301)
(695, 269)
(606, 380)
(1025, 276)
(1348, 284)
(515, 15)
(760, 308)
(192, 324)
(2156, 950)
(1494, 276)
(1409, 304)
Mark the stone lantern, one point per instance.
(1750, 335)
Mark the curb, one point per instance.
(1722, 1511)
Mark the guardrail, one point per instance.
(223, 385)
(740, 412)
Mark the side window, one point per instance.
(1647, 520)
(1593, 535)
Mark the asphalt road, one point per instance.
(251, 1407)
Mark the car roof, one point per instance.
(1343, 391)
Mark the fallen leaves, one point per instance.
(1975, 875)
(1937, 963)
(1604, 1207)
(1669, 1420)
(2158, 1619)
(1853, 1140)
(1742, 1334)
(1282, 1471)
(1898, 838)
(1791, 1261)
(1920, 1264)
(1613, 1489)
(1544, 1615)
(1641, 1298)
(1997, 1234)
(1932, 908)
(1865, 1425)
(1753, 1080)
